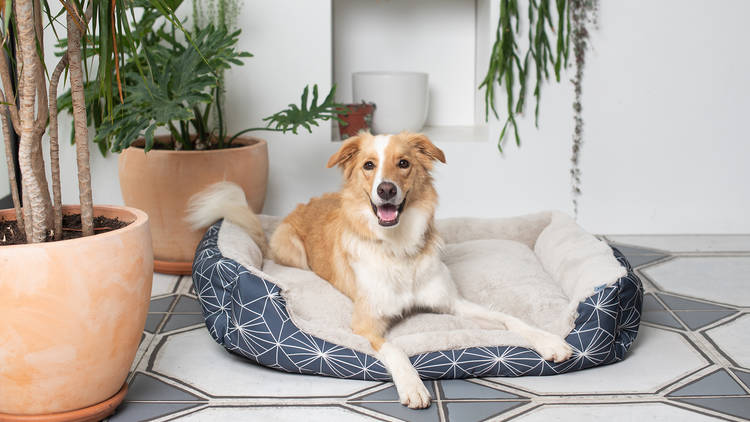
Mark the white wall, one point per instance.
(666, 96)
(4, 185)
(433, 36)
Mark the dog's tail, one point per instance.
(225, 200)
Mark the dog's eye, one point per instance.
(369, 165)
(403, 164)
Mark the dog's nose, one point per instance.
(386, 190)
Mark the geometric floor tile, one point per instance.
(639, 256)
(625, 412)
(390, 394)
(163, 284)
(654, 312)
(689, 243)
(460, 389)
(719, 383)
(186, 305)
(676, 303)
(724, 279)
(400, 411)
(145, 387)
(699, 319)
(647, 367)
(276, 413)
(196, 359)
(734, 339)
(177, 321)
(152, 322)
(139, 411)
(478, 411)
(744, 376)
(161, 304)
(735, 406)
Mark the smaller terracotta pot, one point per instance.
(161, 182)
(72, 314)
(358, 118)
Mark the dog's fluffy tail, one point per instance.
(225, 200)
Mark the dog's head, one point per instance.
(389, 172)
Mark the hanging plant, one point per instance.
(583, 15)
(509, 68)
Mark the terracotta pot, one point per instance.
(359, 117)
(161, 182)
(72, 317)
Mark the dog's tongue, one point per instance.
(387, 212)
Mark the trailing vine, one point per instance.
(509, 67)
(583, 15)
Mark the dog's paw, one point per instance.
(552, 347)
(414, 394)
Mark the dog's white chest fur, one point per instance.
(392, 277)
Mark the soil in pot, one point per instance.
(71, 223)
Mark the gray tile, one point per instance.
(735, 406)
(402, 412)
(152, 322)
(390, 393)
(137, 412)
(639, 260)
(161, 305)
(460, 389)
(721, 279)
(628, 250)
(698, 319)
(147, 388)
(651, 304)
(176, 321)
(478, 411)
(744, 376)
(680, 304)
(187, 305)
(662, 318)
(719, 383)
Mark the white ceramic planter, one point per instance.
(401, 99)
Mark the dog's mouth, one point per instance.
(388, 214)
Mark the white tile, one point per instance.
(657, 358)
(722, 279)
(641, 412)
(163, 284)
(279, 414)
(194, 358)
(688, 242)
(734, 339)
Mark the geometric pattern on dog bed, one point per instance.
(247, 315)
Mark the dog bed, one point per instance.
(542, 268)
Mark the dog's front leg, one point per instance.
(548, 345)
(411, 389)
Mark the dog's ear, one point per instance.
(348, 150)
(422, 144)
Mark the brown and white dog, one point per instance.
(375, 241)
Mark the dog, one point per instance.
(375, 241)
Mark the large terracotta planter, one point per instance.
(71, 318)
(161, 182)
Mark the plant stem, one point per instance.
(54, 148)
(81, 126)
(35, 213)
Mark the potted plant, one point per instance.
(355, 118)
(173, 84)
(75, 281)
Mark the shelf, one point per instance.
(440, 134)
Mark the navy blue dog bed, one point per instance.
(249, 312)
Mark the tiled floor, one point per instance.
(691, 361)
